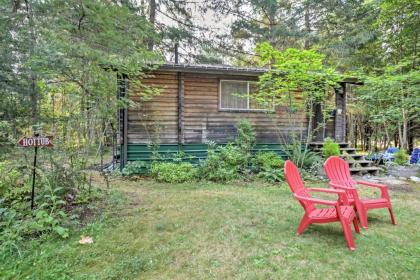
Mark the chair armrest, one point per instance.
(316, 200)
(341, 193)
(383, 188)
(370, 184)
(326, 190)
(338, 186)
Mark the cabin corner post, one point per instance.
(340, 113)
(181, 101)
(122, 81)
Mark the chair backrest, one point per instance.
(291, 172)
(338, 171)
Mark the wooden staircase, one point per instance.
(357, 162)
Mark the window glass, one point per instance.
(234, 95)
(239, 95)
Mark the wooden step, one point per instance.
(348, 149)
(320, 144)
(364, 165)
(362, 162)
(354, 156)
(366, 169)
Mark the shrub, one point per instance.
(245, 138)
(302, 157)
(224, 164)
(330, 148)
(6, 139)
(18, 223)
(14, 183)
(272, 174)
(268, 160)
(169, 172)
(133, 168)
(269, 166)
(60, 180)
(401, 157)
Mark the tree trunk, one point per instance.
(34, 99)
(33, 77)
(152, 20)
(307, 44)
(387, 139)
(404, 142)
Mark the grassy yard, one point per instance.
(225, 231)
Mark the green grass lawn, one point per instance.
(224, 231)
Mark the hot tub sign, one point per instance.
(36, 141)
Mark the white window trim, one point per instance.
(248, 99)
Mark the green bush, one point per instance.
(6, 139)
(330, 148)
(57, 191)
(401, 157)
(301, 156)
(272, 174)
(233, 160)
(269, 166)
(14, 183)
(18, 222)
(268, 160)
(245, 138)
(170, 172)
(134, 168)
(224, 164)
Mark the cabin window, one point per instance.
(235, 95)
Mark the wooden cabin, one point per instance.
(202, 103)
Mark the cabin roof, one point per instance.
(228, 69)
(212, 69)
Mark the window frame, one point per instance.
(248, 109)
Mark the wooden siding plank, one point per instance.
(161, 111)
(201, 119)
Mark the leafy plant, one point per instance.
(302, 156)
(401, 157)
(272, 174)
(223, 164)
(13, 183)
(245, 138)
(45, 221)
(133, 168)
(269, 166)
(268, 160)
(169, 172)
(48, 217)
(330, 148)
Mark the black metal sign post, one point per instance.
(33, 179)
(36, 141)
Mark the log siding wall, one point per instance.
(202, 120)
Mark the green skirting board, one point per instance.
(193, 153)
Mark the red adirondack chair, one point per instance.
(338, 172)
(340, 210)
